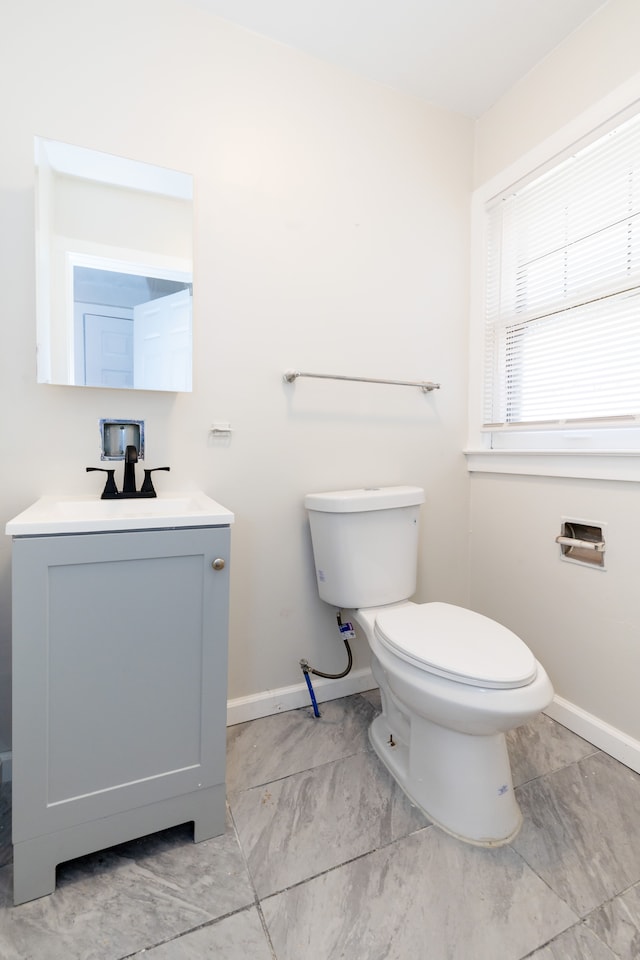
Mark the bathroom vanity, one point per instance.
(120, 613)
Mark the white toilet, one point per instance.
(452, 682)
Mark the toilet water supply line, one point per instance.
(347, 633)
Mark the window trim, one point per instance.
(599, 464)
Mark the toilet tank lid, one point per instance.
(366, 498)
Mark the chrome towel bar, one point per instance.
(425, 385)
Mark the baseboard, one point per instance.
(602, 735)
(268, 702)
(617, 744)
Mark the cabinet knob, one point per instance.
(218, 564)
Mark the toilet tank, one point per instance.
(365, 544)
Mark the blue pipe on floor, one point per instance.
(305, 670)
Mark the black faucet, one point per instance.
(129, 491)
(130, 460)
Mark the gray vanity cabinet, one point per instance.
(119, 696)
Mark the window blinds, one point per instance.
(563, 290)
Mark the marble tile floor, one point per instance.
(325, 858)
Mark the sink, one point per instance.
(53, 515)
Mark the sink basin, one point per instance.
(52, 515)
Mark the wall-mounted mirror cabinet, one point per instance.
(114, 270)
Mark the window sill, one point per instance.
(609, 465)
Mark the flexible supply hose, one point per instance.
(336, 676)
(306, 669)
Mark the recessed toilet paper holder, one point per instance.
(582, 542)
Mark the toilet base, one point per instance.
(462, 783)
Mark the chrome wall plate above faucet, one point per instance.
(117, 435)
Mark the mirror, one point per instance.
(114, 271)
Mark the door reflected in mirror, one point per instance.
(114, 271)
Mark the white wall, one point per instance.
(583, 625)
(594, 60)
(331, 235)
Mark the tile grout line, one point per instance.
(225, 916)
(563, 766)
(581, 923)
(295, 773)
(257, 902)
(186, 933)
(345, 863)
(365, 748)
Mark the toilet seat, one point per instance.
(456, 643)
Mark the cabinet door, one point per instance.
(120, 664)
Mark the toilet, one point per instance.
(452, 682)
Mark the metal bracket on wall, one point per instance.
(220, 430)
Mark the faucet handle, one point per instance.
(147, 487)
(110, 490)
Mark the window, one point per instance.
(562, 302)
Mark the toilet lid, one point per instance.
(456, 643)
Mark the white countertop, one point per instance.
(52, 515)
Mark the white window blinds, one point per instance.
(563, 291)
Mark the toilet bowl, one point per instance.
(452, 682)
(442, 734)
